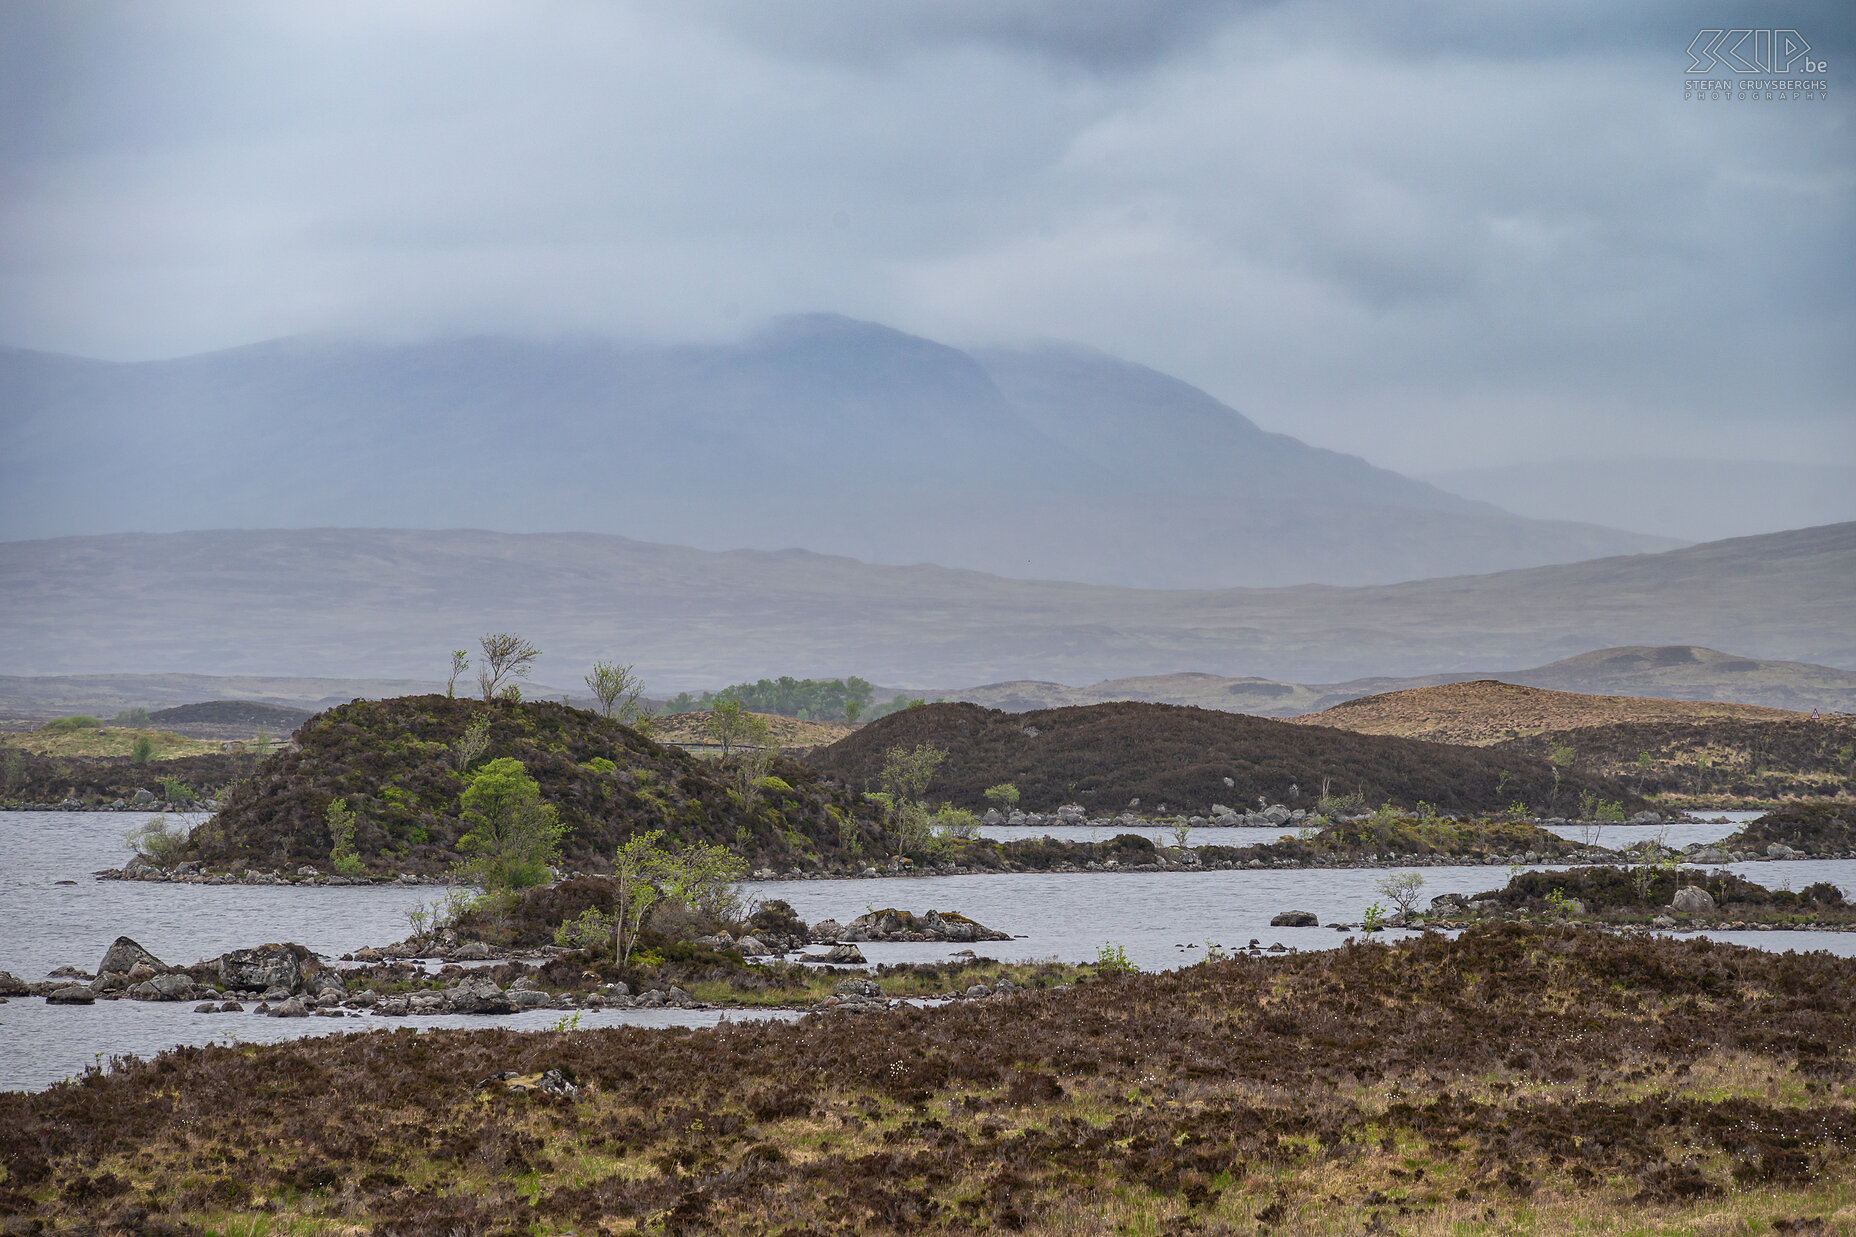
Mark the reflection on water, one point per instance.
(1163, 920)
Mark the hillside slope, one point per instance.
(396, 763)
(1102, 756)
(1485, 711)
(391, 602)
(846, 437)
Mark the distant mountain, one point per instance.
(375, 603)
(1699, 500)
(841, 436)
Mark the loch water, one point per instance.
(54, 912)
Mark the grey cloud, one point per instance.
(1439, 236)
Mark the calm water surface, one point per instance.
(1162, 919)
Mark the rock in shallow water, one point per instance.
(1295, 919)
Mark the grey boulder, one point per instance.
(1692, 900)
(123, 957)
(1295, 919)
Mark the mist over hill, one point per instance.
(361, 603)
(839, 436)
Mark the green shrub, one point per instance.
(342, 853)
(142, 750)
(1112, 959)
(157, 839)
(79, 722)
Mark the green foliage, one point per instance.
(789, 697)
(514, 837)
(80, 721)
(176, 791)
(136, 718)
(1112, 959)
(776, 785)
(599, 764)
(1374, 919)
(593, 929)
(907, 772)
(472, 743)
(1558, 903)
(142, 750)
(1004, 796)
(341, 822)
(157, 839)
(15, 769)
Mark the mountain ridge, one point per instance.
(844, 436)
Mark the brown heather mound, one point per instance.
(1487, 711)
(692, 729)
(1514, 1079)
(1722, 763)
(1104, 755)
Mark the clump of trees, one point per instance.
(921, 831)
(820, 700)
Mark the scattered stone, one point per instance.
(1779, 850)
(826, 932)
(172, 986)
(845, 954)
(858, 988)
(75, 994)
(1662, 921)
(206, 1007)
(1295, 919)
(751, 947)
(231, 1007)
(549, 1082)
(13, 985)
(472, 951)
(477, 994)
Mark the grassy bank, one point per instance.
(1515, 1079)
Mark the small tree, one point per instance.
(506, 657)
(1402, 890)
(460, 662)
(472, 743)
(638, 866)
(616, 688)
(142, 750)
(514, 837)
(731, 726)
(907, 772)
(1004, 796)
(342, 854)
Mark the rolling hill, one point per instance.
(390, 603)
(1484, 711)
(846, 437)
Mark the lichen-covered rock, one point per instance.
(267, 966)
(1692, 900)
(894, 925)
(845, 954)
(1295, 919)
(477, 994)
(75, 994)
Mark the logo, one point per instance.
(1752, 51)
(1766, 66)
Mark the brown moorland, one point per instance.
(692, 729)
(1514, 1079)
(1487, 711)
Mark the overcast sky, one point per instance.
(1438, 236)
